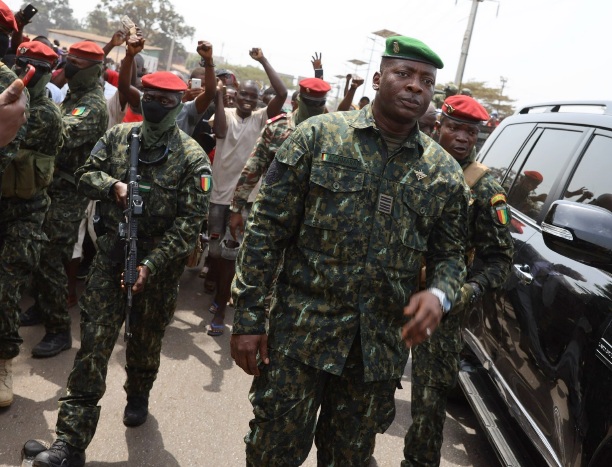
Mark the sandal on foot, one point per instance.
(214, 308)
(216, 329)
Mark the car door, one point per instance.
(519, 325)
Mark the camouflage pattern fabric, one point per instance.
(350, 224)
(285, 410)
(271, 138)
(8, 152)
(175, 204)
(85, 119)
(21, 220)
(353, 230)
(435, 362)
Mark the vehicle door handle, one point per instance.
(523, 272)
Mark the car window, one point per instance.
(546, 160)
(591, 181)
(505, 148)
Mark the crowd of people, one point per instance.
(345, 239)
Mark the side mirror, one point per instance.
(582, 232)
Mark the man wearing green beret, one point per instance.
(349, 206)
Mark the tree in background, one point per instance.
(52, 14)
(157, 19)
(490, 97)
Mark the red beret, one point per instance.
(7, 18)
(88, 50)
(465, 109)
(37, 51)
(534, 175)
(314, 88)
(164, 81)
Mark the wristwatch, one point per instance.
(204, 64)
(445, 303)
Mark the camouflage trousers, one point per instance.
(286, 398)
(435, 364)
(103, 305)
(21, 241)
(50, 282)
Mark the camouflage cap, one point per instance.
(409, 48)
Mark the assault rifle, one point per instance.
(128, 230)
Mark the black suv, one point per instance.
(541, 346)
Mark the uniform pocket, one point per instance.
(43, 171)
(334, 193)
(421, 210)
(162, 200)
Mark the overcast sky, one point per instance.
(546, 49)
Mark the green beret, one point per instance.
(411, 49)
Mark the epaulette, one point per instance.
(278, 117)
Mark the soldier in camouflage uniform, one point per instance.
(435, 362)
(85, 118)
(349, 206)
(25, 200)
(311, 101)
(8, 26)
(175, 183)
(9, 339)
(449, 90)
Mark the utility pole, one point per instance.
(503, 80)
(466, 43)
(169, 64)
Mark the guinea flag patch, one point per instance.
(206, 182)
(77, 111)
(502, 214)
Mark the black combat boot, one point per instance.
(52, 344)
(136, 410)
(60, 454)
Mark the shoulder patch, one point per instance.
(78, 111)
(206, 182)
(498, 198)
(278, 117)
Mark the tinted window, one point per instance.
(505, 148)
(546, 160)
(591, 181)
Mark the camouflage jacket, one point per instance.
(175, 193)
(32, 169)
(276, 131)
(350, 224)
(8, 152)
(45, 127)
(85, 116)
(488, 234)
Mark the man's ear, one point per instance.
(376, 80)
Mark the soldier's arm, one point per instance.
(446, 244)
(276, 217)
(83, 124)
(93, 178)
(491, 238)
